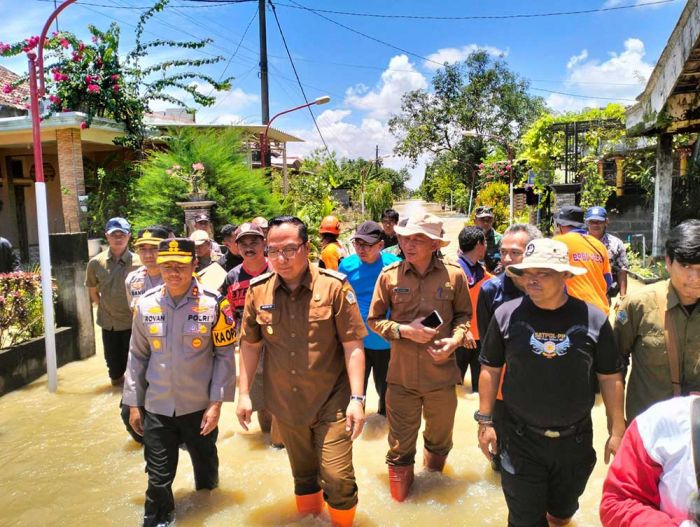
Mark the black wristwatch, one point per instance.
(482, 418)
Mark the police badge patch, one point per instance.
(622, 317)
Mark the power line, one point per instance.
(370, 37)
(216, 3)
(478, 17)
(578, 95)
(296, 74)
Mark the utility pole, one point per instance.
(264, 97)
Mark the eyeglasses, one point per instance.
(506, 252)
(288, 252)
(361, 246)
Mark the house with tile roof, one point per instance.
(70, 153)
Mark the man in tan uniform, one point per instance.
(309, 323)
(423, 370)
(104, 278)
(671, 306)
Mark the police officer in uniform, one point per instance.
(148, 275)
(188, 332)
(423, 369)
(313, 375)
(138, 282)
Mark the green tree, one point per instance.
(240, 192)
(481, 96)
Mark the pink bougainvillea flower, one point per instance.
(4, 47)
(7, 88)
(77, 57)
(55, 99)
(95, 39)
(115, 77)
(81, 46)
(99, 63)
(115, 88)
(88, 79)
(197, 166)
(93, 88)
(64, 43)
(83, 125)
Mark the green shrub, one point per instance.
(495, 195)
(21, 314)
(240, 192)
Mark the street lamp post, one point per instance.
(36, 91)
(509, 150)
(263, 139)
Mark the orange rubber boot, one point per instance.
(310, 503)
(433, 462)
(341, 518)
(400, 481)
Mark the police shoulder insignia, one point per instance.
(622, 317)
(350, 297)
(260, 278)
(334, 274)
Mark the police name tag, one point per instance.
(268, 307)
(402, 290)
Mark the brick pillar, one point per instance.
(71, 177)
(619, 176)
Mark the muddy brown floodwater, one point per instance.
(67, 461)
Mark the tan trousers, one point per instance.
(403, 410)
(321, 458)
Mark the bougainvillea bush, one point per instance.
(91, 77)
(21, 316)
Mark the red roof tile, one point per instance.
(20, 92)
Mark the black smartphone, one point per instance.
(433, 320)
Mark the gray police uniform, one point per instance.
(192, 344)
(138, 282)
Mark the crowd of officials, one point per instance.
(527, 316)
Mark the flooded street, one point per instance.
(67, 461)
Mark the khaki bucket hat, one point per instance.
(544, 253)
(427, 224)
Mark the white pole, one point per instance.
(46, 286)
(511, 201)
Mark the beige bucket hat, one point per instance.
(544, 253)
(426, 224)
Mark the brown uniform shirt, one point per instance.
(406, 296)
(108, 276)
(304, 362)
(639, 330)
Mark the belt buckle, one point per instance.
(552, 434)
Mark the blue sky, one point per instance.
(597, 56)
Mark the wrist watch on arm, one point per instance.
(359, 398)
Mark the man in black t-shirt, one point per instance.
(562, 344)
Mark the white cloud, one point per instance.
(385, 99)
(353, 140)
(621, 77)
(452, 55)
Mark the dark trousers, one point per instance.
(541, 475)
(378, 362)
(469, 358)
(116, 347)
(162, 436)
(125, 410)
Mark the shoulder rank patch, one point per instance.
(392, 265)
(259, 278)
(334, 274)
(621, 317)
